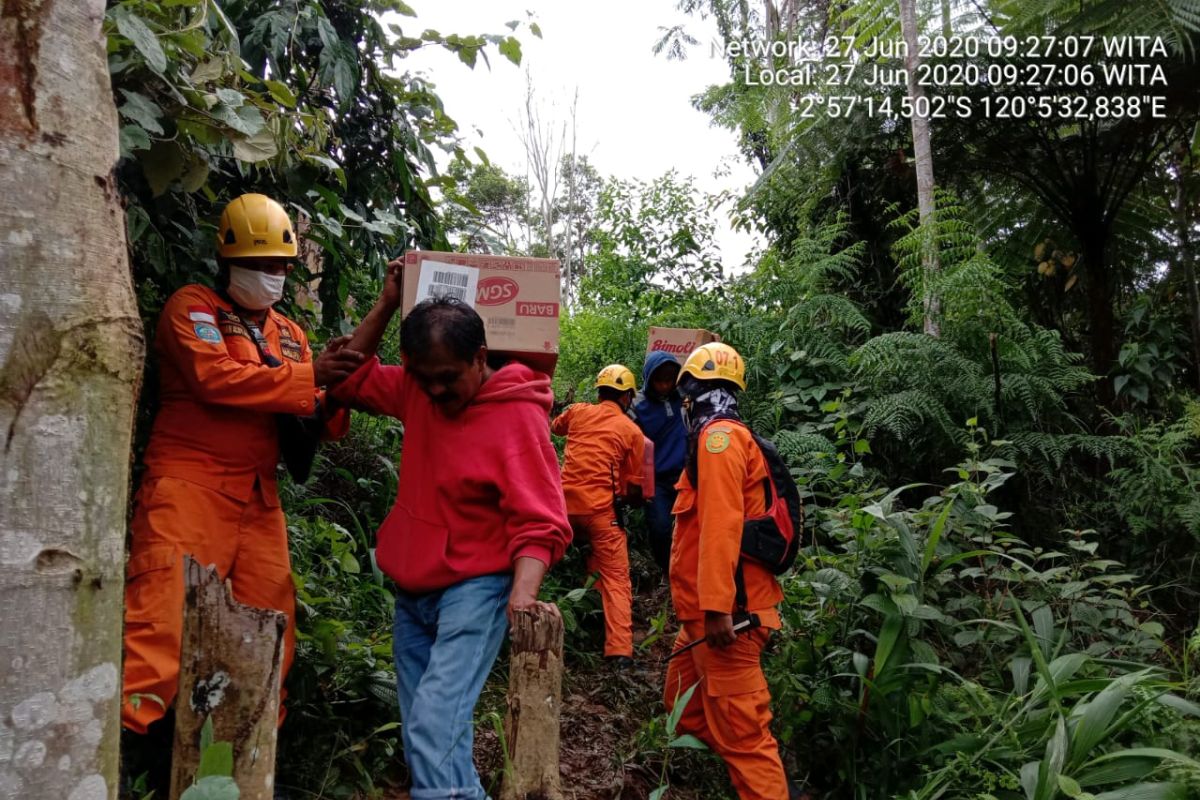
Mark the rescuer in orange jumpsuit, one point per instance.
(228, 365)
(603, 466)
(730, 707)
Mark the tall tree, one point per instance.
(923, 156)
(70, 362)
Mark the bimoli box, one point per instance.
(679, 342)
(518, 298)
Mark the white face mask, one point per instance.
(254, 290)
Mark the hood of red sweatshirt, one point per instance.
(516, 383)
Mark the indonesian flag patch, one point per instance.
(201, 314)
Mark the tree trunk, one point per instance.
(531, 727)
(1101, 317)
(923, 156)
(70, 365)
(229, 670)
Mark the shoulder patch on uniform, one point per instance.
(207, 333)
(201, 314)
(716, 441)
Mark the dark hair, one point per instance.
(442, 319)
(611, 393)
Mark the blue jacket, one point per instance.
(661, 420)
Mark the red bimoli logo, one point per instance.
(496, 291)
(669, 347)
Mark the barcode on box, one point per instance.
(442, 290)
(438, 279)
(450, 279)
(501, 322)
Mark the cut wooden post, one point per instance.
(229, 670)
(534, 702)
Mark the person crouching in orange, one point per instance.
(603, 467)
(238, 383)
(729, 710)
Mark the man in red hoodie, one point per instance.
(479, 517)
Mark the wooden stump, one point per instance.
(534, 703)
(229, 670)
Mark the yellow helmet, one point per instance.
(617, 376)
(255, 226)
(715, 360)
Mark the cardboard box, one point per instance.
(679, 342)
(518, 298)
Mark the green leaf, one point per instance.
(208, 71)
(142, 110)
(162, 164)
(888, 636)
(658, 793)
(689, 742)
(1098, 714)
(282, 94)
(1069, 786)
(935, 536)
(216, 760)
(231, 97)
(258, 147)
(536, 30)
(133, 137)
(195, 176)
(1122, 771)
(677, 710)
(1052, 763)
(1029, 779)
(1020, 667)
(214, 787)
(510, 48)
(247, 120)
(349, 563)
(1179, 704)
(401, 8)
(1147, 752)
(1146, 791)
(206, 734)
(134, 28)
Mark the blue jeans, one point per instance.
(659, 519)
(444, 644)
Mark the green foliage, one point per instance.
(650, 234)
(1155, 489)
(926, 644)
(214, 779)
(1152, 360)
(302, 101)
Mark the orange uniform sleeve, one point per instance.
(189, 338)
(562, 423)
(722, 461)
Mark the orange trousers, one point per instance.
(248, 544)
(610, 558)
(730, 709)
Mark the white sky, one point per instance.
(635, 118)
